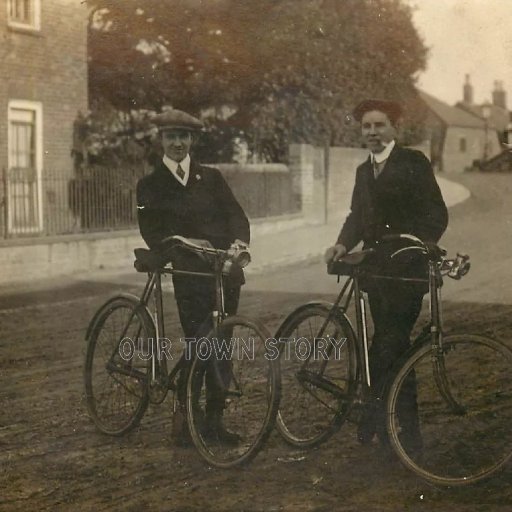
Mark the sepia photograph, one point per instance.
(255, 255)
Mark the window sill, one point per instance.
(25, 29)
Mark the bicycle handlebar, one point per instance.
(238, 254)
(181, 240)
(458, 267)
(431, 249)
(455, 268)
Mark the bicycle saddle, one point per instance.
(345, 266)
(149, 261)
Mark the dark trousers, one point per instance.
(195, 298)
(395, 307)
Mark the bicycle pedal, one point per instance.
(157, 393)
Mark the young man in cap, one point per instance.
(182, 197)
(395, 192)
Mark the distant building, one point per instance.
(496, 112)
(457, 137)
(43, 85)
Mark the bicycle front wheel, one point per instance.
(233, 392)
(463, 394)
(117, 365)
(318, 375)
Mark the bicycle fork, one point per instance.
(436, 336)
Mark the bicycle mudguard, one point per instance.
(126, 296)
(327, 306)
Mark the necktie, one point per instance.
(180, 172)
(376, 170)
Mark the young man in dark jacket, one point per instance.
(182, 197)
(395, 192)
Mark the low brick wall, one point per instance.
(27, 259)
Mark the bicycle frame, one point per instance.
(161, 379)
(353, 287)
(433, 330)
(154, 287)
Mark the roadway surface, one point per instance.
(52, 458)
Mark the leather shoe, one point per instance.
(214, 431)
(226, 437)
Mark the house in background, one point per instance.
(43, 85)
(495, 113)
(457, 138)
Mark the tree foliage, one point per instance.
(289, 70)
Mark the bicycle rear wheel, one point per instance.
(234, 381)
(318, 375)
(117, 365)
(464, 399)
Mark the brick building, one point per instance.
(43, 85)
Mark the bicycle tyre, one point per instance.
(116, 386)
(252, 395)
(464, 409)
(309, 415)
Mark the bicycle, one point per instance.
(126, 365)
(463, 386)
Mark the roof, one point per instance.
(451, 116)
(499, 118)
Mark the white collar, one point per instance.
(173, 167)
(384, 154)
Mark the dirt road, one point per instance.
(53, 459)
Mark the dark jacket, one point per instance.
(405, 198)
(204, 209)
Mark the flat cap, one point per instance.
(391, 108)
(177, 119)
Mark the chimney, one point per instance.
(468, 92)
(499, 96)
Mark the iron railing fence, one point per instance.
(104, 199)
(54, 204)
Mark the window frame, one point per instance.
(37, 108)
(35, 22)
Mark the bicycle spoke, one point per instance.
(464, 443)
(249, 385)
(308, 413)
(116, 397)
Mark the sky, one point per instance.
(465, 37)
